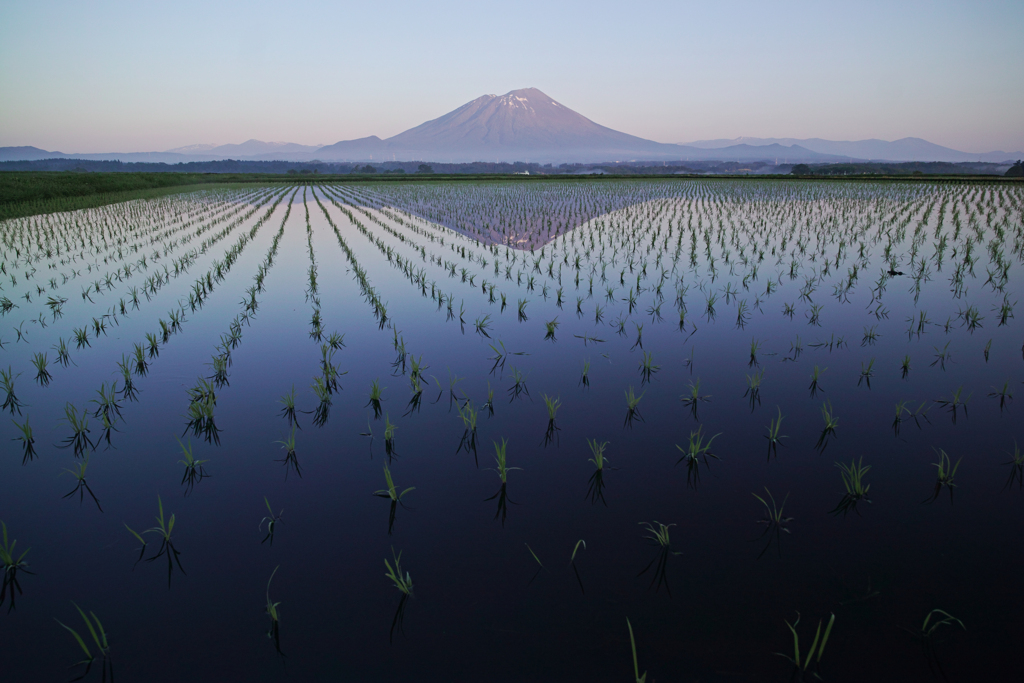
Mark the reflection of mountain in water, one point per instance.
(519, 215)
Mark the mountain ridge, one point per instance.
(526, 125)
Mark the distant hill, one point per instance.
(250, 149)
(905, 149)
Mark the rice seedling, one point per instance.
(944, 477)
(905, 366)
(323, 394)
(815, 376)
(773, 436)
(813, 655)
(220, 371)
(288, 411)
(290, 461)
(82, 487)
(870, 336)
(639, 336)
(11, 402)
(502, 469)
(489, 404)
(375, 392)
(659, 533)
(107, 405)
(43, 375)
(694, 398)
(63, 353)
(853, 482)
(394, 495)
(1016, 463)
(404, 585)
(632, 408)
(389, 437)
(27, 441)
(753, 391)
(164, 528)
(866, 373)
(79, 439)
(956, 402)
(500, 459)
(194, 470)
(572, 563)
(1005, 394)
(941, 356)
(201, 418)
(11, 565)
(829, 429)
(540, 565)
(926, 634)
(522, 310)
(814, 316)
(632, 644)
(709, 308)
(585, 375)
(775, 523)
(102, 643)
(518, 387)
(551, 327)
(483, 326)
(391, 492)
(274, 632)
(153, 344)
(647, 367)
(271, 521)
(696, 450)
(552, 404)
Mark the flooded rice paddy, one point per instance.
(430, 431)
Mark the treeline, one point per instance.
(895, 169)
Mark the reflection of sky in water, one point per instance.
(475, 608)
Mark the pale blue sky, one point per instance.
(139, 76)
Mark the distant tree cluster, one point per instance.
(1017, 170)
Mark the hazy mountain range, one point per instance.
(905, 149)
(527, 125)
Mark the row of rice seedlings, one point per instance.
(176, 316)
(123, 274)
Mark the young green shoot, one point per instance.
(829, 429)
(81, 488)
(271, 521)
(194, 470)
(697, 450)
(632, 408)
(944, 477)
(773, 519)
(274, 632)
(632, 644)
(290, 461)
(11, 565)
(853, 482)
(99, 638)
(803, 661)
(773, 436)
